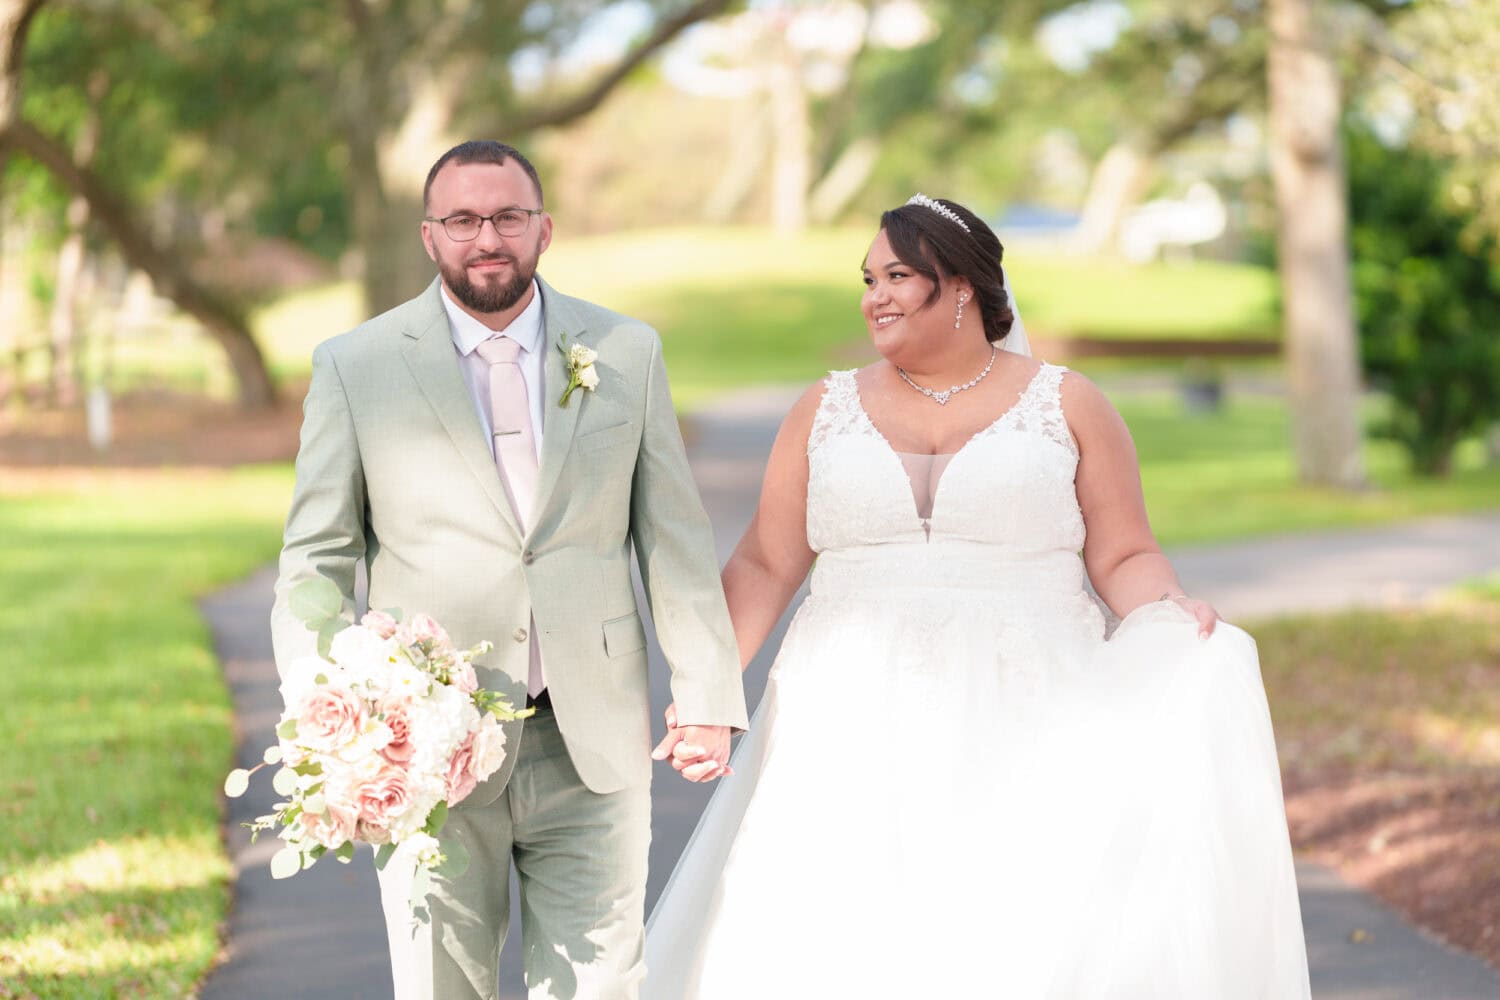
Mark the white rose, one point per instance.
(405, 681)
(588, 378)
(301, 677)
(489, 749)
(421, 847)
(364, 654)
(581, 356)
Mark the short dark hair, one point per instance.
(482, 151)
(932, 244)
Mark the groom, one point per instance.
(438, 448)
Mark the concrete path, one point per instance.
(319, 935)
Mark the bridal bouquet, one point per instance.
(382, 731)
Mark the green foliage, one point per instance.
(1427, 285)
(113, 880)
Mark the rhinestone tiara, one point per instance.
(921, 199)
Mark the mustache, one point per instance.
(485, 258)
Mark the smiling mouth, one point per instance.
(887, 319)
(489, 262)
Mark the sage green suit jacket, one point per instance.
(394, 470)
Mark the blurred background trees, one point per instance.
(216, 155)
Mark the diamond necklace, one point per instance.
(941, 398)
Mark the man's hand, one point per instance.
(698, 753)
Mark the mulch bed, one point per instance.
(152, 430)
(1426, 845)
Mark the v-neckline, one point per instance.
(890, 449)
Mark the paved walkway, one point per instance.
(319, 935)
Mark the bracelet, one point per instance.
(1172, 597)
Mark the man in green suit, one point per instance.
(487, 476)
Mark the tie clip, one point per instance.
(507, 433)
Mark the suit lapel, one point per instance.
(433, 362)
(558, 422)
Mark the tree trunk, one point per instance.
(844, 180)
(1117, 183)
(63, 343)
(221, 320)
(791, 141)
(1322, 351)
(747, 163)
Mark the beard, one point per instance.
(490, 295)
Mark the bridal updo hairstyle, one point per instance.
(932, 245)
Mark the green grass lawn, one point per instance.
(113, 878)
(1230, 474)
(740, 305)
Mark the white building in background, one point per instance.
(1158, 226)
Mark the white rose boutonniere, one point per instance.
(581, 374)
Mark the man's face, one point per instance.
(490, 273)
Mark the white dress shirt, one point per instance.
(527, 329)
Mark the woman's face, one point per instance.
(901, 321)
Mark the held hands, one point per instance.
(698, 753)
(1207, 617)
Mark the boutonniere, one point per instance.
(580, 361)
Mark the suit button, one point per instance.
(528, 557)
(519, 635)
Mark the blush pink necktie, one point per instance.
(515, 453)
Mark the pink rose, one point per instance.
(384, 796)
(332, 828)
(380, 623)
(425, 629)
(464, 678)
(372, 834)
(329, 717)
(400, 749)
(461, 780)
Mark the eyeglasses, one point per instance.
(465, 226)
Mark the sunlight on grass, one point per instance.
(1370, 689)
(1230, 474)
(115, 879)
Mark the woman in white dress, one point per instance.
(955, 786)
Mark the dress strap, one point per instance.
(838, 412)
(1040, 408)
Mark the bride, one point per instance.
(955, 785)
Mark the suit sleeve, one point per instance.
(674, 545)
(325, 527)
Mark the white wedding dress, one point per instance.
(955, 787)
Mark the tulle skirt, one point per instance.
(943, 795)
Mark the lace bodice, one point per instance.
(1009, 486)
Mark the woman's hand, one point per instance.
(692, 761)
(1208, 618)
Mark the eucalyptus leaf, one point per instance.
(272, 755)
(330, 628)
(285, 863)
(287, 730)
(383, 854)
(436, 818)
(285, 781)
(237, 783)
(456, 860)
(314, 601)
(345, 854)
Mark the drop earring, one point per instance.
(959, 318)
